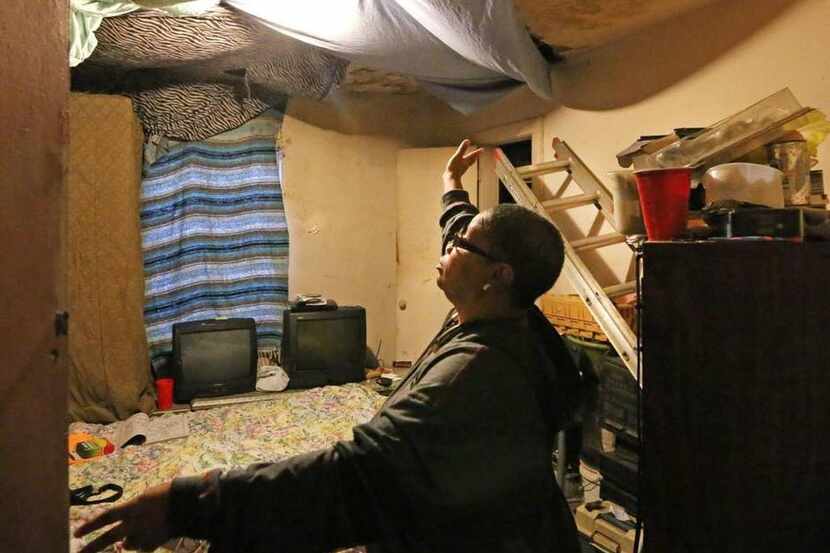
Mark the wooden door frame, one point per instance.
(488, 182)
(34, 497)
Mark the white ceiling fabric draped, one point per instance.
(467, 52)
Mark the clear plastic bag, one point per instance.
(765, 114)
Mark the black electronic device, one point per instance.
(736, 220)
(621, 470)
(618, 414)
(610, 490)
(588, 361)
(324, 346)
(777, 223)
(618, 397)
(214, 357)
(312, 302)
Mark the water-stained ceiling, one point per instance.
(563, 26)
(582, 24)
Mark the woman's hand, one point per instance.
(458, 164)
(142, 522)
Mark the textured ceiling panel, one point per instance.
(360, 78)
(563, 24)
(581, 24)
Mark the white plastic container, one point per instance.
(627, 218)
(745, 182)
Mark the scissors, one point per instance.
(86, 495)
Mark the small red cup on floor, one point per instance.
(164, 392)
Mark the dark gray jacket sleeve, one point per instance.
(301, 504)
(456, 215)
(414, 469)
(344, 495)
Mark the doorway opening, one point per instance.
(519, 153)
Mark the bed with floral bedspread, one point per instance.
(227, 437)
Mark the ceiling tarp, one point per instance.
(467, 52)
(194, 73)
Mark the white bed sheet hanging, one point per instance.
(467, 52)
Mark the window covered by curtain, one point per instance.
(214, 233)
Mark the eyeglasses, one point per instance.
(459, 242)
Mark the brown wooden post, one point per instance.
(34, 76)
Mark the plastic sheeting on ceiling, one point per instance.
(467, 52)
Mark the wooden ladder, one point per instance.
(596, 298)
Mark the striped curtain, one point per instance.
(214, 233)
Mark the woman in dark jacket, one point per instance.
(458, 458)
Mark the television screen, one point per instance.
(214, 357)
(324, 347)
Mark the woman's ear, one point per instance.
(503, 274)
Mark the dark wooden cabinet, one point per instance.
(736, 397)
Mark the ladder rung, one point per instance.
(543, 168)
(620, 289)
(584, 177)
(570, 202)
(595, 242)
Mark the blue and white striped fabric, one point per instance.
(214, 233)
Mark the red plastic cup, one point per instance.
(164, 392)
(664, 201)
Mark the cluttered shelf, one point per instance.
(752, 174)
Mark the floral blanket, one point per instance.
(227, 437)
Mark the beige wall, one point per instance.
(416, 120)
(422, 306)
(692, 71)
(339, 194)
(363, 223)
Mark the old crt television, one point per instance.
(324, 347)
(214, 357)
